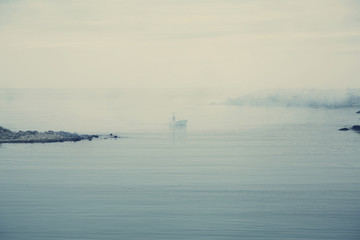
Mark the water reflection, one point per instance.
(178, 134)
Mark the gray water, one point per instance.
(233, 173)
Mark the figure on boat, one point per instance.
(179, 123)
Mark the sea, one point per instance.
(235, 172)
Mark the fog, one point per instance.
(311, 98)
(243, 45)
(104, 110)
(125, 111)
(236, 50)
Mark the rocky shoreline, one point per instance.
(8, 136)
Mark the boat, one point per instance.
(178, 123)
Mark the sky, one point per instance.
(242, 44)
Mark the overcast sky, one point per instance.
(247, 44)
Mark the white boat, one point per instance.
(178, 123)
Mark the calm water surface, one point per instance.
(234, 173)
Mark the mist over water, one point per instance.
(301, 98)
(235, 172)
(99, 110)
(144, 110)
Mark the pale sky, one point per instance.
(247, 44)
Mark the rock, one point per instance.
(111, 135)
(8, 136)
(356, 128)
(5, 133)
(4, 130)
(344, 129)
(358, 112)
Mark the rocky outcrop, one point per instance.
(356, 128)
(8, 136)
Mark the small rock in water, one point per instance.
(344, 129)
(358, 112)
(356, 128)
